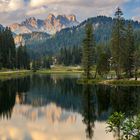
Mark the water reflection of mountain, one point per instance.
(51, 113)
(39, 91)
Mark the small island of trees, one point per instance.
(121, 55)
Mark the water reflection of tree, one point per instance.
(125, 99)
(7, 98)
(23, 84)
(103, 100)
(8, 91)
(88, 110)
(118, 99)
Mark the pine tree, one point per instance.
(118, 42)
(7, 49)
(34, 66)
(47, 61)
(22, 58)
(26, 59)
(129, 51)
(1, 64)
(136, 62)
(12, 50)
(19, 59)
(88, 46)
(103, 64)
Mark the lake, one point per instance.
(55, 107)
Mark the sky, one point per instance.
(15, 11)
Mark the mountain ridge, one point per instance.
(73, 36)
(42, 43)
(50, 25)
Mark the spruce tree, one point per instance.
(34, 66)
(7, 49)
(19, 59)
(47, 61)
(88, 46)
(12, 50)
(118, 42)
(129, 51)
(22, 58)
(136, 62)
(103, 64)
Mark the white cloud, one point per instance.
(136, 18)
(136, 12)
(10, 5)
(37, 3)
(82, 8)
(36, 11)
(84, 3)
(15, 4)
(17, 10)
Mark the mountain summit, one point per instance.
(50, 25)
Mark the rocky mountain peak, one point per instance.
(72, 18)
(14, 26)
(30, 22)
(51, 17)
(50, 25)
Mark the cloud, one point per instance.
(83, 3)
(17, 10)
(136, 12)
(136, 18)
(35, 3)
(10, 5)
(36, 11)
(15, 4)
(82, 8)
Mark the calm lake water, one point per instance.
(55, 107)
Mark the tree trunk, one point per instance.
(95, 74)
(136, 75)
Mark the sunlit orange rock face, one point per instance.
(19, 40)
(72, 18)
(56, 24)
(50, 25)
(14, 26)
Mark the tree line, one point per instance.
(121, 55)
(69, 56)
(10, 56)
(42, 63)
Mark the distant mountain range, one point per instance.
(73, 36)
(43, 37)
(50, 25)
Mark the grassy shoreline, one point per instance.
(8, 74)
(14, 74)
(124, 82)
(58, 72)
(112, 82)
(61, 70)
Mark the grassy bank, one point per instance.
(61, 70)
(90, 81)
(14, 74)
(124, 82)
